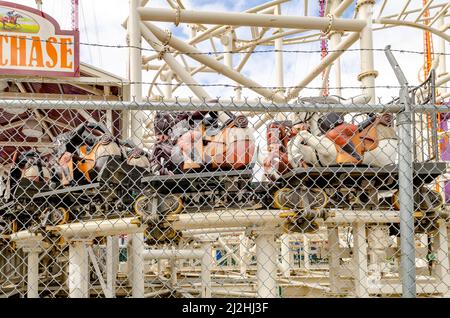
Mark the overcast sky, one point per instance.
(100, 22)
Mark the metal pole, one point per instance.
(267, 258)
(405, 183)
(406, 194)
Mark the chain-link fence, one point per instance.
(319, 198)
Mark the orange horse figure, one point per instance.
(11, 20)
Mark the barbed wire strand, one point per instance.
(124, 46)
(229, 85)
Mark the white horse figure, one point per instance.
(318, 150)
(386, 152)
(312, 149)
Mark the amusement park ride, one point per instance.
(188, 175)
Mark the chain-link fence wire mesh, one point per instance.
(213, 199)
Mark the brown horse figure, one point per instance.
(11, 20)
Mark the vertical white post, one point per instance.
(137, 267)
(333, 257)
(243, 253)
(207, 264)
(228, 43)
(335, 39)
(130, 259)
(112, 265)
(440, 246)
(173, 271)
(267, 258)
(368, 73)
(33, 271)
(78, 270)
(167, 77)
(137, 117)
(286, 264)
(279, 65)
(279, 71)
(360, 260)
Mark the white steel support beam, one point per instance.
(421, 26)
(112, 265)
(228, 44)
(335, 38)
(279, 66)
(368, 73)
(137, 265)
(341, 8)
(173, 254)
(92, 229)
(249, 19)
(32, 248)
(176, 67)
(360, 260)
(330, 58)
(78, 269)
(267, 260)
(137, 118)
(333, 257)
(195, 54)
(33, 273)
(227, 218)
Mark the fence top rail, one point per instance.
(247, 106)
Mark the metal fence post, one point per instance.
(405, 182)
